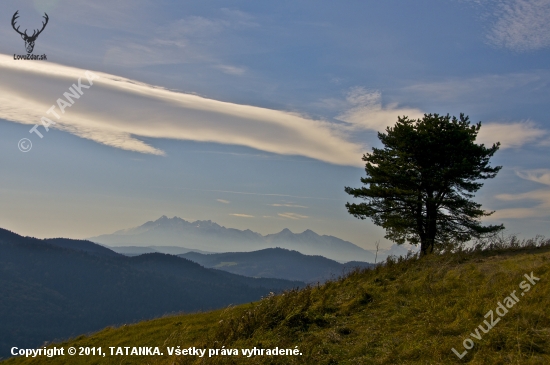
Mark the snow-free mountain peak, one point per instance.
(206, 235)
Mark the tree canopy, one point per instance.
(420, 186)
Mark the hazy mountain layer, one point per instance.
(210, 236)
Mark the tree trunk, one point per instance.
(423, 247)
(431, 223)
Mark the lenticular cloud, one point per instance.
(116, 112)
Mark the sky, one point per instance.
(255, 115)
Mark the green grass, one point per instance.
(410, 311)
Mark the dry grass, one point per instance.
(409, 311)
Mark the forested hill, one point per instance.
(276, 263)
(57, 288)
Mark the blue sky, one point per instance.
(256, 114)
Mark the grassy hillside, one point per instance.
(411, 311)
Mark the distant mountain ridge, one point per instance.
(210, 236)
(276, 263)
(57, 288)
(140, 250)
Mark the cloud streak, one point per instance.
(541, 209)
(510, 135)
(541, 176)
(288, 205)
(541, 198)
(293, 216)
(118, 112)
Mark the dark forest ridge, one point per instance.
(276, 263)
(57, 288)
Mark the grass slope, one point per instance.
(410, 311)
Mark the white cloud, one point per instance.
(293, 216)
(521, 25)
(366, 111)
(223, 201)
(242, 215)
(542, 176)
(542, 209)
(483, 91)
(509, 134)
(118, 111)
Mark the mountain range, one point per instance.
(58, 288)
(211, 237)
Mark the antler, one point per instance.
(15, 16)
(43, 25)
(34, 34)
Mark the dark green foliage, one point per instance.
(420, 185)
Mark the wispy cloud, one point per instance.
(242, 215)
(231, 70)
(179, 42)
(366, 110)
(540, 197)
(118, 111)
(482, 90)
(293, 216)
(541, 209)
(510, 134)
(472, 89)
(223, 201)
(187, 40)
(541, 176)
(288, 205)
(521, 25)
(263, 194)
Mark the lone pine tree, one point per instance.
(420, 185)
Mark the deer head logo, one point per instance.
(29, 39)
